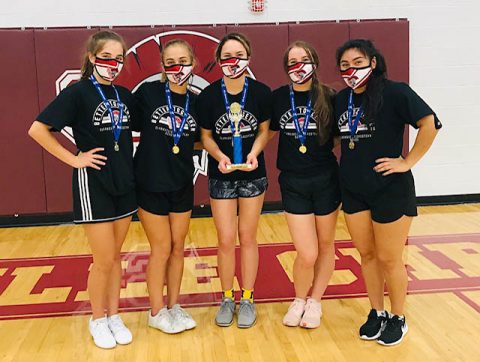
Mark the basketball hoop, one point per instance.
(257, 6)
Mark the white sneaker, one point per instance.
(163, 320)
(101, 334)
(181, 316)
(120, 332)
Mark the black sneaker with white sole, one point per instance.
(394, 331)
(374, 325)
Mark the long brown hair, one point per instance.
(95, 44)
(242, 39)
(163, 77)
(321, 94)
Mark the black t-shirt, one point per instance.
(213, 116)
(381, 138)
(289, 158)
(157, 168)
(80, 106)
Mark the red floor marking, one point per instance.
(272, 283)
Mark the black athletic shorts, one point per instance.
(163, 203)
(222, 189)
(387, 204)
(93, 203)
(318, 194)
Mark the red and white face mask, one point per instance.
(234, 67)
(178, 73)
(108, 69)
(356, 77)
(301, 72)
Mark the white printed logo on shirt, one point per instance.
(162, 120)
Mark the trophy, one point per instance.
(235, 116)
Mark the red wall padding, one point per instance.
(41, 56)
(22, 183)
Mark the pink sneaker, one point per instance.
(312, 315)
(295, 312)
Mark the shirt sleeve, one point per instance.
(139, 107)
(275, 121)
(334, 125)
(265, 105)
(201, 109)
(412, 107)
(61, 112)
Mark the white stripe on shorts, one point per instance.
(85, 195)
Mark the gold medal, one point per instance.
(302, 149)
(116, 147)
(175, 149)
(351, 144)
(235, 108)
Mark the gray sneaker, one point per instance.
(224, 317)
(247, 315)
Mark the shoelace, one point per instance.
(102, 329)
(245, 305)
(226, 303)
(179, 312)
(117, 324)
(312, 306)
(392, 324)
(296, 305)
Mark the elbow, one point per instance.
(32, 130)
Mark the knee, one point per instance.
(160, 255)
(226, 244)
(104, 265)
(390, 263)
(326, 246)
(177, 249)
(307, 260)
(367, 254)
(247, 238)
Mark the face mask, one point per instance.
(356, 77)
(301, 72)
(234, 67)
(178, 73)
(108, 69)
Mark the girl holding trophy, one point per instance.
(234, 115)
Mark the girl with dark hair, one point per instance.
(378, 191)
(235, 110)
(302, 113)
(104, 200)
(164, 175)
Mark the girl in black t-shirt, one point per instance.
(103, 182)
(164, 176)
(378, 192)
(236, 110)
(302, 113)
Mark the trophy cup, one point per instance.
(235, 117)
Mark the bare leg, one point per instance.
(360, 226)
(157, 228)
(225, 218)
(179, 223)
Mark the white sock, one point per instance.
(381, 313)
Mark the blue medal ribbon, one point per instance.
(353, 125)
(177, 132)
(301, 131)
(227, 103)
(116, 123)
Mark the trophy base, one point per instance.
(239, 166)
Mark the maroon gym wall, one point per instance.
(33, 182)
